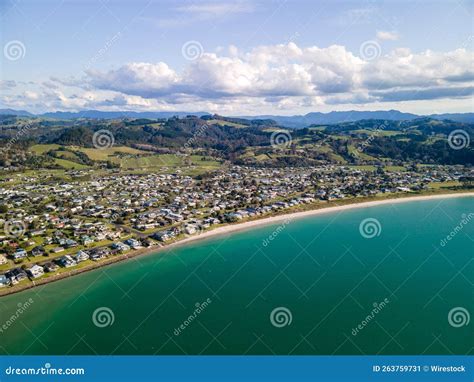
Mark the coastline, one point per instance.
(235, 227)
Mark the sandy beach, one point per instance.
(324, 210)
(230, 228)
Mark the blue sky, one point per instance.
(237, 57)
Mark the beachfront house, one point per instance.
(135, 244)
(16, 275)
(81, 256)
(66, 261)
(4, 281)
(120, 247)
(162, 236)
(50, 267)
(35, 271)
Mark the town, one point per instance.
(53, 229)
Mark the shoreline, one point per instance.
(235, 227)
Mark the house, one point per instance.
(70, 243)
(135, 244)
(3, 259)
(66, 261)
(36, 271)
(50, 267)
(38, 251)
(4, 281)
(190, 229)
(121, 247)
(81, 256)
(57, 249)
(86, 240)
(174, 217)
(98, 254)
(16, 275)
(162, 236)
(19, 254)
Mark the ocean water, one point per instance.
(378, 280)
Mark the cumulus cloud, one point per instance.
(277, 77)
(287, 70)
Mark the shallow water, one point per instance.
(320, 273)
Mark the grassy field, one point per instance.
(69, 165)
(225, 123)
(129, 159)
(41, 149)
(108, 153)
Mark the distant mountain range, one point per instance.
(295, 121)
(333, 117)
(96, 114)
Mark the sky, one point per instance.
(240, 57)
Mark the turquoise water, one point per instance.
(320, 269)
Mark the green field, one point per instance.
(108, 153)
(41, 149)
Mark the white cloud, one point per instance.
(274, 77)
(387, 35)
(216, 9)
(200, 12)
